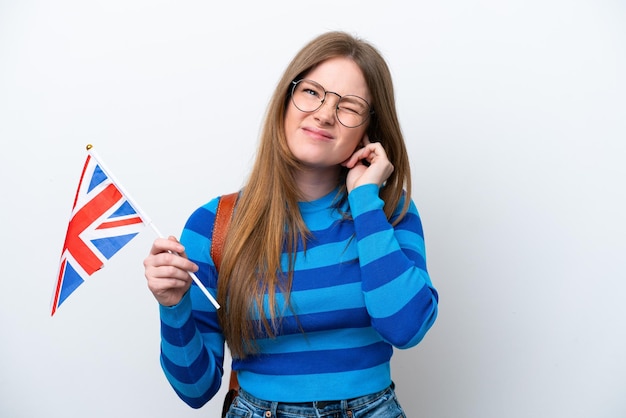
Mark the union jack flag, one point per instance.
(102, 222)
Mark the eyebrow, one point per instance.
(341, 96)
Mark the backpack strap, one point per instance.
(223, 216)
(225, 209)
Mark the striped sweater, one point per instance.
(360, 289)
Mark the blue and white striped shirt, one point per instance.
(360, 289)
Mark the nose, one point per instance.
(327, 112)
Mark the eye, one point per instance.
(311, 92)
(353, 104)
(311, 89)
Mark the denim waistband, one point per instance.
(354, 403)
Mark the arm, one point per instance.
(192, 346)
(398, 291)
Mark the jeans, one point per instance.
(383, 404)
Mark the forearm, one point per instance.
(191, 360)
(398, 292)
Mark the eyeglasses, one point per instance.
(308, 96)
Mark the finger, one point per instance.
(168, 266)
(174, 260)
(354, 158)
(180, 252)
(167, 273)
(170, 273)
(370, 152)
(376, 150)
(164, 245)
(376, 146)
(161, 287)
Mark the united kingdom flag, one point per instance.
(102, 222)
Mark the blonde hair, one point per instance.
(267, 219)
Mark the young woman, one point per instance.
(323, 268)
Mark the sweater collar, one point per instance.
(322, 203)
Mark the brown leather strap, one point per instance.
(234, 382)
(224, 214)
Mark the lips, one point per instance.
(318, 134)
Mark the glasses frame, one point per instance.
(293, 89)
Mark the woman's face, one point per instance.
(317, 139)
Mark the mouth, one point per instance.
(319, 134)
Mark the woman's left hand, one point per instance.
(376, 171)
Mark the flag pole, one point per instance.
(147, 220)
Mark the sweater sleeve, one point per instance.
(192, 345)
(399, 295)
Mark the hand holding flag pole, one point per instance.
(148, 221)
(104, 219)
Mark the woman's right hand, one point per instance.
(166, 269)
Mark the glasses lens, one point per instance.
(352, 111)
(308, 96)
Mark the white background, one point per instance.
(515, 116)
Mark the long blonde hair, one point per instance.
(268, 220)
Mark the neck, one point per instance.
(315, 183)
